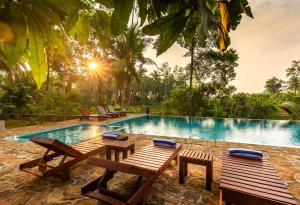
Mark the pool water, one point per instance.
(264, 132)
(67, 135)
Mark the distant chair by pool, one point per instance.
(112, 110)
(102, 111)
(86, 114)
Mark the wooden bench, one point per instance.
(251, 182)
(199, 158)
(119, 147)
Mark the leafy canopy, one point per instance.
(29, 28)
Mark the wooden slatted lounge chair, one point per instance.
(147, 163)
(251, 182)
(55, 149)
(102, 111)
(86, 114)
(112, 110)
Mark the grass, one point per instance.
(14, 123)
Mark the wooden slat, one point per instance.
(232, 170)
(258, 184)
(151, 158)
(142, 162)
(244, 168)
(267, 168)
(121, 166)
(149, 155)
(244, 164)
(156, 152)
(258, 193)
(255, 178)
(254, 164)
(261, 180)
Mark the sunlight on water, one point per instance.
(66, 135)
(277, 133)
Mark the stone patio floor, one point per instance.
(17, 187)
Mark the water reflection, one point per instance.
(279, 133)
(73, 134)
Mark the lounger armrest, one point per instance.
(119, 166)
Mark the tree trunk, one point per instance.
(129, 94)
(190, 108)
(47, 86)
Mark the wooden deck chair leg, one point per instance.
(181, 171)
(145, 198)
(221, 198)
(43, 163)
(137, 185)
(108, 175)
(209, 175)
(185, 169)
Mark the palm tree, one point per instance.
(126, 54)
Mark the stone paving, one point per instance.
(17, 187)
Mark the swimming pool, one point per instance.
(264, 132)
(68, 135)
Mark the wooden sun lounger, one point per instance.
(102, 111)
(147, 163)
(251, 182)
(76, 153)
(86, 114)
(112, 110)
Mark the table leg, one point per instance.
(125, 154)
(209, 173)
(132, 149)
(117, 155)
(185, 168)
(181, 171)
(108, 154)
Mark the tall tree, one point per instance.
(293, 73)
(126, 53)
(274, 85)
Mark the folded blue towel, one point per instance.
(111, 135)
(164, 142)
(246, 153)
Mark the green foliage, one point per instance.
(18, 97)
(293, 73)
(37, 59)
(274, 85)
(173, 19)
(120, 16)
(28, 25)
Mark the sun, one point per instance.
(92, 65)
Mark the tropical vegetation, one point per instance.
(59, 55)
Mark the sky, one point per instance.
(266, 44)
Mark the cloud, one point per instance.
(266, 44)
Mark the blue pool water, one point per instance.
(68, 135)
(265, 132)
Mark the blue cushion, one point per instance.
(246, 153)
(164, 142)
(111, 135)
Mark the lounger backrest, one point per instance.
(56, 146)
(101, 110)
(85, 111)
(110, 108)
